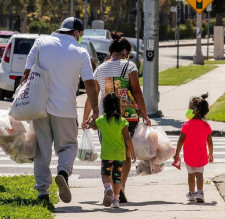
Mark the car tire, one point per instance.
(2, 94)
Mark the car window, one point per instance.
(4, 39)
(23, 46)
(94, 32)
(101, 46)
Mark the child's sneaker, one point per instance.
(115, 203)
(191, 196)
(107, 197)
(200, 197)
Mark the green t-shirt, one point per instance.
(112, 145)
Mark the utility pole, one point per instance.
(138, 29)
(151, 53)
(208, 9)
(178, 17)
(85, 14)
(71, 8)
(198, 57)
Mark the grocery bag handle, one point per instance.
(124, 70)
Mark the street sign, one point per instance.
(209, 7)
(199, 5)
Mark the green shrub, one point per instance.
(40, 27)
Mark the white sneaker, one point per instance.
(115, 203)
(107, 197)
(200, 197)
(191, 196)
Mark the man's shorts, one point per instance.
(194, 169)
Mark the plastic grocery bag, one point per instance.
(86, 149)
(165, 149)
(145, 167)
(31, 97)
(11, 127)
(21, 148)
(145, 140)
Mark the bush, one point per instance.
(39, 27)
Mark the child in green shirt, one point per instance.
(114, 133)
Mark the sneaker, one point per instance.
(200, 197)
(115, 203)
(62, 182)
(107, 197)
(43, 198)
(191, 196)
(123, 198)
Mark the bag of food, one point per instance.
(21, 148)
(86, 149)
(145, 167)
(145, 140)
(165, 149)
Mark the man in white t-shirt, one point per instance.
(61, 55)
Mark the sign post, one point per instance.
(208, 9)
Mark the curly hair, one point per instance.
(119, 43)
(200, 105)
(111, 105)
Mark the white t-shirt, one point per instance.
(65, 60)
(111, 69)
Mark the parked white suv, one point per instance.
(13, 62)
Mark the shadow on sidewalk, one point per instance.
(213, 203)
(173, 123)
(150, 203)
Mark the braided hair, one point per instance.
(111, 105)
(200, 105)
(119, 43)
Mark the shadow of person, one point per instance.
(150, 203)
(213, 203)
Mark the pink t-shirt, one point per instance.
(195, 151)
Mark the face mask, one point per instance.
(189, 114)
(127, 57)
(79, 40)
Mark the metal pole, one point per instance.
(138, 30)
(208, 35)
(178, 32)
(151, 51)
(85, 14)
(71, 8)
(198, 57)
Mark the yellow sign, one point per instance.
(199, 5)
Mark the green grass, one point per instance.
(18, 199)
(217, 110)
(182, 75)
(214, 62)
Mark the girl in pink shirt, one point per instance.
(195, 136)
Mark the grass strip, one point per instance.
(217, 110)
(214, 62)
(18, 199)
(181, 75)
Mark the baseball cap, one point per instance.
(71, 23)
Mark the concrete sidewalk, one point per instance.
(162, 195)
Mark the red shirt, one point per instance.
(195, 151)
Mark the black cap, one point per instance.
(71, 23)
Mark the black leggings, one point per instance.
(116, 172)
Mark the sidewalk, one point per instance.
(160, 196)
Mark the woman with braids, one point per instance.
(195, 136)
(114, 133)
(119, 51)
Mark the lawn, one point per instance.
(214, 62)
(182, 75)
(18, 199)
(217, 110)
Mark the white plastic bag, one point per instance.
(145, 142)
(31, 97)
(165, 149)
(86, 149)
(145, 167)
(21, 148)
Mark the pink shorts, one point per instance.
(194, 169)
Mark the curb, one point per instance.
(188, 44)
(214, 133)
